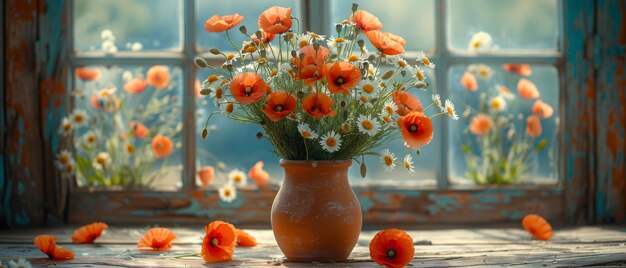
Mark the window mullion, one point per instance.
(189, 119)
(441, 50)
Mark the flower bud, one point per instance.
(355, 7)
(418, 151)
(294, 54)
(361, 43)
(243, 29)
(363, 170)
(259, 135)
(387, 74)
(205, 132)
(343, 103)
(215, 51)
(200, 62)
(205, 92)
(338, 28)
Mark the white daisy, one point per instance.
(408, 164)
(63, 158)
(90, 139)
(69, 168)
(449, 109)
(385, 119)
(66, 126)
(107, 34)
(331, 142)
(366, 100)
(102, 160)
(391, 60)
(237, 178)
(390, 108)
(136, 46)
(368, 87)
(335, 42)
(127, 75)
(401, 63)
(388, 159)
(418, 73)
(306, 131)
(437, 101)
(505, 92)
(481, 70)
(480, 41)
(228, 193)
(368, 125)
(218, 95)
(21, 263)
(79, 118)
(421, 57)
(498, 103)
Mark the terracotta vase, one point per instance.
(315, 215)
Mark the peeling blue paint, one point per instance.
(442, 202)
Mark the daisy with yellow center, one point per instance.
(449, 109)
(227, 193)
(101, 161)
(218, 95)
(401, 63)
(480, 41)
(366, 101)
(130, 149)
(505, 92)
(388, 159)
(367, 125)
(90, 139)
(66, 126)
(481, 70)
(353, 58)
(334, 43)
(107, 92)
(390, 108)
(79, 118)
(437, 101)
(237, 178)
(63, 158)
(69, 168)
(306, 132)
(421, 57)
(418, 73)
(331, 142)
(497, 104)
(368, 88)
(408, 164)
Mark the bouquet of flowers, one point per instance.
(322, 97)
(121, 138)
(503, 146)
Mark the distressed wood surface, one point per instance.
(603, 245)
(380, 206)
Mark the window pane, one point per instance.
(117, 25)
(134, 124)
(250, 10)
(412, 19)
(492, 142)
(512, 24)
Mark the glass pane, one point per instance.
(250, 10)
(133, 133)
(136, 25)
(414, 20)
(512, 24)
(508, 130)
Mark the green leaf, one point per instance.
(541, 145)
(466, 149)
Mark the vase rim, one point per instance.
(291, 163)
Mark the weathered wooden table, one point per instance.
(596, 245)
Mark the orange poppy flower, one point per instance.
(416, 129)
(245, 239)
(311, 68)
(527, 89)
(222, 23)
(47, 245)
(533, 126)
(260, 177)
(341, 77)
(468, 81)
(279, 105)
(158, 76)
(481, 125)
(157, 238)
(522, 69)
(219, 242)
(162, 146)
(275, 20)
(206, 175)
(88, 233)
(384, 44)
(366, 21)
(135, 86)
(537, 226)
(396, 38)
(265, 37)
(392, 248)
(406, 102)
(318, 105)
(248, 88)
(542, 109)
(87, 74)
(139, 130)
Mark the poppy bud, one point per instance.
(360, 42)
(371, 58)
(259, 135)
(263, 53)
(215, 51)
(293, 54)
(338, 28)
(205, 92)
(343, 103)
(363, 170)
(355, 7)
(205, 132)
(200, 62)
(230, 107)
(403, 73)
(258, 34)
(387, 75)
(316, 47)
(418, 151)
(229, 67)
(366, 65)
(301, 56)
(345, 127)
(243, 29)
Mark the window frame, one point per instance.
(188, 196)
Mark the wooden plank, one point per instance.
(381, 206)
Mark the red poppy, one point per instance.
(87, 74)
(260, 177)
(206, 175)
(139, 130)
(392, 248)
(218, 244)
(88, 233)
(265, 37)
(527, 89)
(275, 20)
(157, 238)
(222, 23)
(522, 69)
(311, 68)
(416, 129)
(162, 146)
(135, 86)
(542, 109)
(366, 21)
(318, 105)
(533, 126)
(248, 88)
(406, 102)
(468, 81)
(244, 239)
(158, 76)
(396, 38)
(279, 105)
(537, 226)
(341, 77)
(47, 245)
(481, 125)
(384, 43)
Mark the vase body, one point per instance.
(315, 215)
